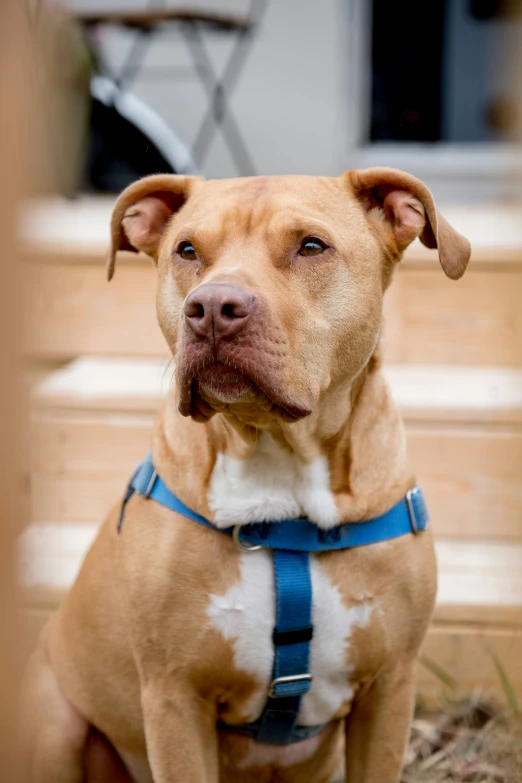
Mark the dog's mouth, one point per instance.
(224, 382)
(217, 385)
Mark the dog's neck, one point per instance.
(347, 461)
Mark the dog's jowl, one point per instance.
(253, 607)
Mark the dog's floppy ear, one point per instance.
(402, 208)
(142, 212)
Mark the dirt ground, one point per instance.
(474, 742)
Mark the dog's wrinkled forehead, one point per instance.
(224, 209)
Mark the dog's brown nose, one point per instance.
(218, 309)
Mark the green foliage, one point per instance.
(446, 678)
(507, 687)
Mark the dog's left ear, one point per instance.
(142, 212)
(402, 208)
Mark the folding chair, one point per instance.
(192, 24)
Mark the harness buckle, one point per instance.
(241, 544)
(410, 494)
(306, 679)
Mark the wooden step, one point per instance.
(478, 613)
(428, 318)
(93, 418)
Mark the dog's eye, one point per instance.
(187, 251)
(311, 246)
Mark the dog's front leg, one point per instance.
(181, 737)
(378, 728)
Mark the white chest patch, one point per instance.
(271, 485)
(245, 615)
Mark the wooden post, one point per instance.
(18, 136)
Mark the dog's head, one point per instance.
(270, 289)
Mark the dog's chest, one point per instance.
(272, 484)
(245, 615)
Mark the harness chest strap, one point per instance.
(292, 541)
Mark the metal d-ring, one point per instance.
(240, 544)
(411, 510)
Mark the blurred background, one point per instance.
(99, 93)
(300, 86)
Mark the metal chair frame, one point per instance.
(218, 87)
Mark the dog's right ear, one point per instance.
(142, 212)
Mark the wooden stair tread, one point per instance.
(49, 557)
(457, 392)
(79, 229)
(106, 383)
(68, 224)
(423, 392)
(479, 582)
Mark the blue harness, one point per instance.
(291, 540)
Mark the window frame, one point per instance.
(454, 171)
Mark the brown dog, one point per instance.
(270, 298)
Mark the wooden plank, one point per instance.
(73, 310)
(466, 651)
(431, 319)
(82, 464)
(472, 479)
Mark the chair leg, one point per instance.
(218, 92)
(134, 59)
